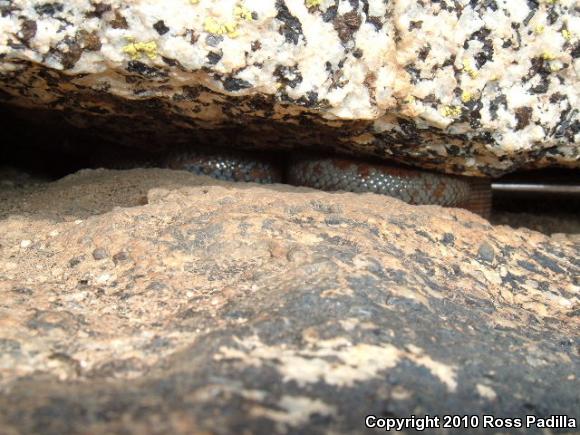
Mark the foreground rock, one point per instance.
(473, 88)
(153, 301)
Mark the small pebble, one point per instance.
(448, 239)
(75, 261)
(486, 252)
(100, 254)
(120, 256)
(25, 243)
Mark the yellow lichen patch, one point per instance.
(539, 29)
(211, 25)
(229, 28)
(451, 111)
(548, 56)
(312, 3)
(138, 49)
(469, 69)
(467, 96)
(243, 13)
(566, 34)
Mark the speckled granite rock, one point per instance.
(152, 301)
(475, 88)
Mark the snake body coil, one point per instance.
(333, 174)
(227, 166)
(411, 186)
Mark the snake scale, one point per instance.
(413, 186)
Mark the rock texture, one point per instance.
(154, 301)
(466, 87)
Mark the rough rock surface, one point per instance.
(153, 301)
(467, 87)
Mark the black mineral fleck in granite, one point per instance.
(233, 84)
(161, 28)
(292, 27)
(49, 8)
(138, 67)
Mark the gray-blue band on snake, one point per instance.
(338, 174)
